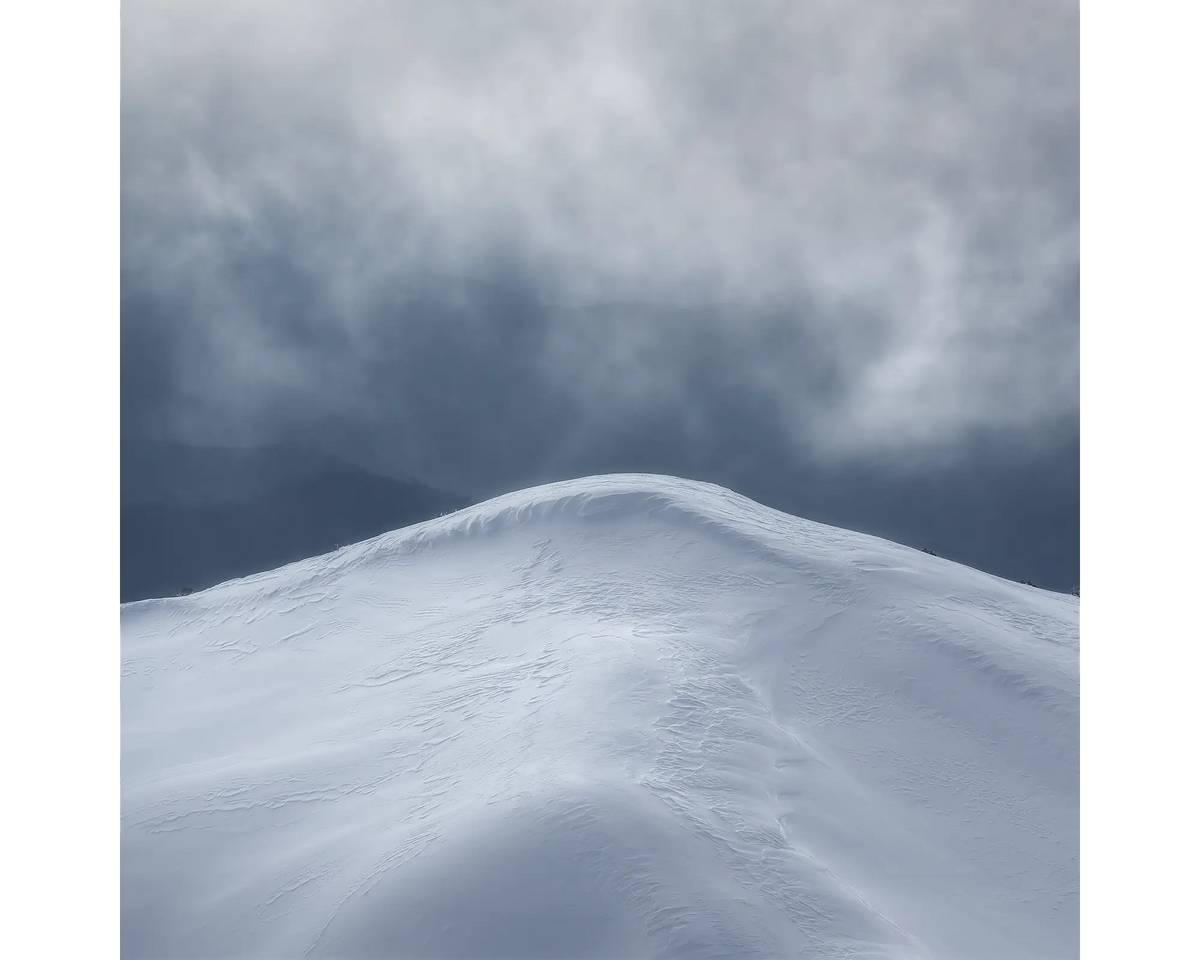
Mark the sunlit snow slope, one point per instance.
(624, 716)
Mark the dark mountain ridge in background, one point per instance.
(193, 517)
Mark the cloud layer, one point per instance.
(501, 236)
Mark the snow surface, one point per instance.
(626, 716)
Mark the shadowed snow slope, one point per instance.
(625, 716)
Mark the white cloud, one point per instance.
(896, 182)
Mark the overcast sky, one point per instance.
(490, 243)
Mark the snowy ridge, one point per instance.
(624, 716)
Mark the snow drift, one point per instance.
(624, 716)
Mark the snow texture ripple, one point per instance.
(625, 716)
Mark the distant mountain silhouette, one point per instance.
(193, 517)
(159, 471)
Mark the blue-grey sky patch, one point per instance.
(490, 240)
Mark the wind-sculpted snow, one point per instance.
(617, 717)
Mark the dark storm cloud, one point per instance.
(493, 241)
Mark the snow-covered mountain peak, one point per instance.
(612, 717)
